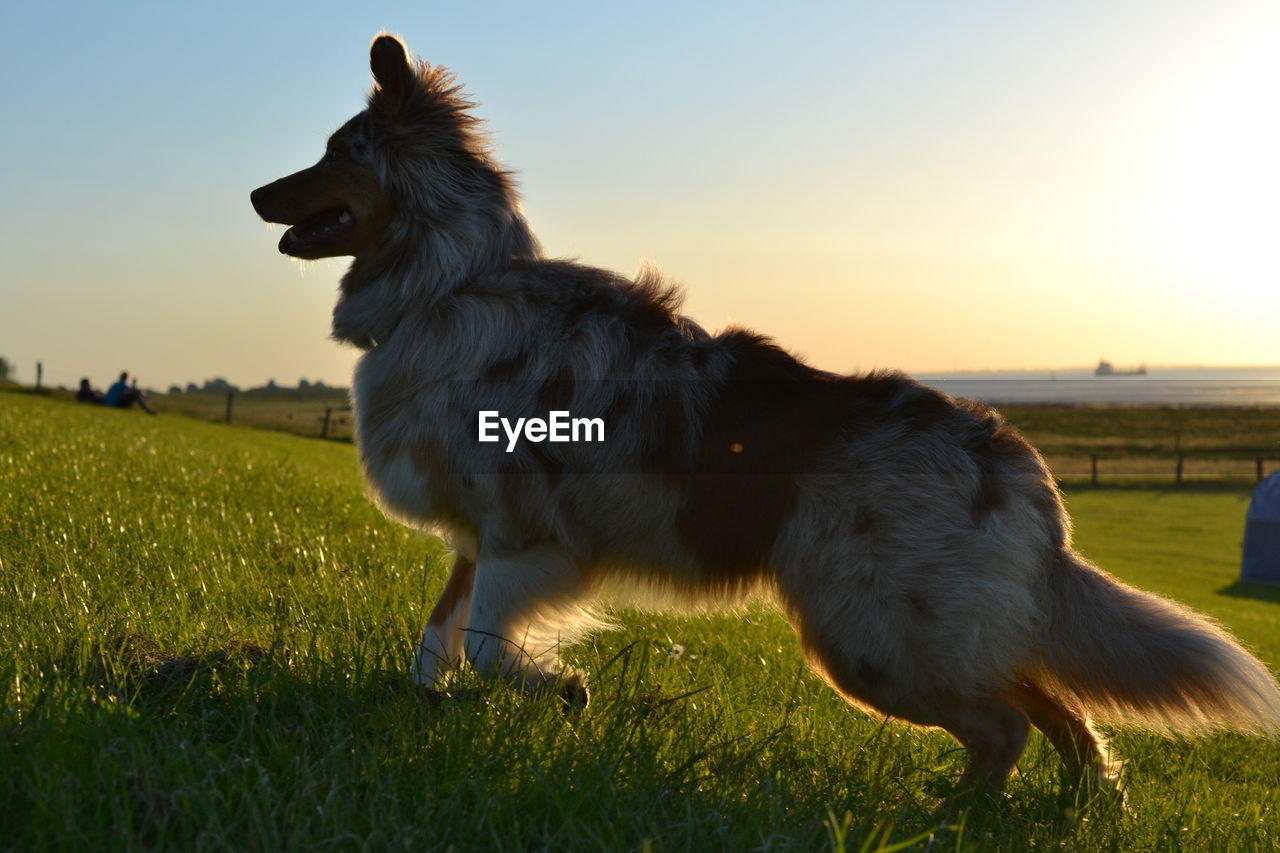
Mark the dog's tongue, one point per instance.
(316, 231)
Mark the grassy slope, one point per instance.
(194, 535)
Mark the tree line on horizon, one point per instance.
(219, 385)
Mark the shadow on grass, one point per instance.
(1256, 591)
(182, 742)
(137, 670)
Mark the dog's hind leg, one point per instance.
(1083, 750)
(522, 607)
(441, 648)
(993, 729)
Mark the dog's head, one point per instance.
(336, 207)
(411, 155)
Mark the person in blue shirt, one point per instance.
(121, 395)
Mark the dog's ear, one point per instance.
(390, 65)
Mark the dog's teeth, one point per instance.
(344, 217)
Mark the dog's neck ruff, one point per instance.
(417, 268)
(368, 311)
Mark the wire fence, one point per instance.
(334, 421)
(1182, 469)
(326, 413)
(319, 414)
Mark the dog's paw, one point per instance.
(1104, 788)
(573, 692)
(429, 695)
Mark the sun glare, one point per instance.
(1217, 216)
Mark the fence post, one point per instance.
(1093, 469)
(1258, 468)
(324, 431)
(230, 394)
(39, 374)
(1177, 480)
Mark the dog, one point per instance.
(917, 543)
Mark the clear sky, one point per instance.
(919, 185)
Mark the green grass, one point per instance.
(206, 631)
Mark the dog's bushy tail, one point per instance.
(1132, 658)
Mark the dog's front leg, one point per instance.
(517, 605)
(441, 647)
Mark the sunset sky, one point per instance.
(930, 186)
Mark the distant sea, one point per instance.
(1161, 386)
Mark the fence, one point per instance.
(1176, 470)
(321, 415)
(326, 414)
(328, 424)
(328, 419)
(1095, 469)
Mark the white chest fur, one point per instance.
(396, 420)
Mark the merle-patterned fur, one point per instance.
(917, 542)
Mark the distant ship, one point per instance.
(1106, 368)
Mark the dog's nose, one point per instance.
(255, 198)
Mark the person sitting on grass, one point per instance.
(86, 394)
(121, 395)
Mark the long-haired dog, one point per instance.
(916, 542)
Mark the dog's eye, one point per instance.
(334, 154)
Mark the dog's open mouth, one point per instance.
(318, 232)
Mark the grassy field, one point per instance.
(205, 634)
